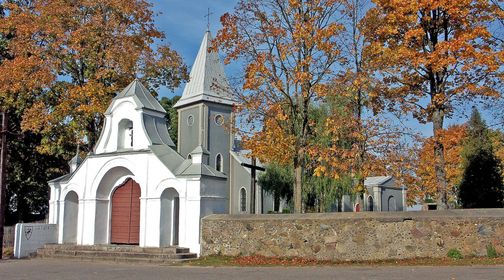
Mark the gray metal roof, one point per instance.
(376, 181)
(241, 157)
(187, 168)
(76, 159)
(169, 157)
(63, 178)
(143, 98)
(207, 80)
(157, 131)
(200, 150)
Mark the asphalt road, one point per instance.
(62, 269)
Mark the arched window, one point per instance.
(218, 162)
(190, 120)
(189, 156)
(125, 134)
(243, 200)
(391, 203)
(370, 203)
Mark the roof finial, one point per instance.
(208, 19)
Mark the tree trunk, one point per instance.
(298, 173)
(437, 122)
(276, 202)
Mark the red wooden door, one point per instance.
(126, 213)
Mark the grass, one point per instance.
(276, 261)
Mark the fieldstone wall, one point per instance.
(354, 236)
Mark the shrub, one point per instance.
(455, 254)
(491, 252)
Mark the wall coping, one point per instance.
(380, 216)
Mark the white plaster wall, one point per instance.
(105, 173)
(124, 108)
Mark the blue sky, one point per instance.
(184, 24)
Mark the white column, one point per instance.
(190, 217)
(151, 230)
(54, 205)
(61, 206)
(377, 198)
(87, 222)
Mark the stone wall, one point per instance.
(355, 236)
(8, 237)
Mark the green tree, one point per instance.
(171, 116)
(277, 181)
(27, 174)
(482, 185)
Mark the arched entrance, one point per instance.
(125, 224)
(370, 205)
(391, 203)
(70, 217)
(169, 226)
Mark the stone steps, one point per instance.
(116, 253)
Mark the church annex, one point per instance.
(137, 187)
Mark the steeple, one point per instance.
(207, 80)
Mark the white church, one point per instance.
(136, 187)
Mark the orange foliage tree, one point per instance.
(68, 58)
(430, 54)
(452, 140)
(290, 51)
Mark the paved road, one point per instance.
(62, 269)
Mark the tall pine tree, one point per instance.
(482, 185)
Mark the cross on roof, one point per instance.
(208, 19)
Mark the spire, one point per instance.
(207, 81)
(143, 98)
(75, 161)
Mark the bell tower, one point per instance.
(205, 109)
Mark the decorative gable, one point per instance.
(134, 121)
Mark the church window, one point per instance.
(219, 120)
(218, 162)
(189, 156)
(190, 120)
(125, 134)
(243, 200)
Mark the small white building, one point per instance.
(136, 187)
(383, 193)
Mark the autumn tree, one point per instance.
(482, 185)
(452, 140)
(70, 57)
(429, 55)
(290, 52)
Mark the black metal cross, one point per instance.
(208, 19)
(253, 168)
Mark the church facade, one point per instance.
(137, 187)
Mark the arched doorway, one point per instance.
(357, 207)
(391, 203)
(169, 227)
(125, 224)
(70, 217)
(370, 205)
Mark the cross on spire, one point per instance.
(208, 19)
